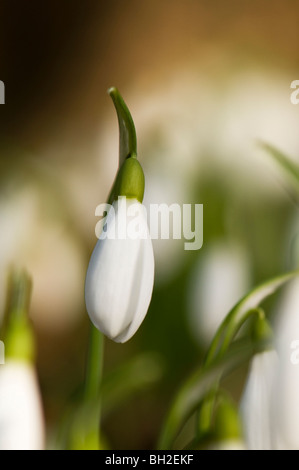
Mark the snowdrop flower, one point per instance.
(120, 275)
(257, 400)
(287, 382)
(270, 402)
(21, 418)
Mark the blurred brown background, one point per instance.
(58, 58)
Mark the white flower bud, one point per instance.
(21, 417)
(120, 275)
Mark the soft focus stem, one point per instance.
(19, 336)
(195, 389)
(226, 334)
(238, 315)
(222, 341)
(94, 367)
(19, 292)
(93, 375)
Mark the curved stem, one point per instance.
(239, 313)
(228, 331)
(230, 334)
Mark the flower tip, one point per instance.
(112, 91)
(127, 132)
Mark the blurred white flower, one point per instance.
(287, 381)
(35, 234)
(21, 417)
(220, 278)
(120, 275)
(257, 402)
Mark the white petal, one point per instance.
(287, 386)
(119, 280)
(21, 420)
(257, 400)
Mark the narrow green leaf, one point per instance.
(285, 162)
